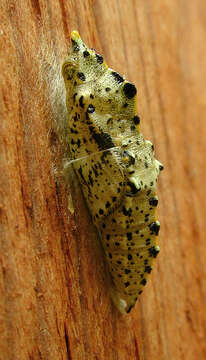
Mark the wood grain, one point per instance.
(54, 301)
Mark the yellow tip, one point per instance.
(75, 35)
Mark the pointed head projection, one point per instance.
(80, 59)
(84, 69)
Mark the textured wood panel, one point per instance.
(54, 301)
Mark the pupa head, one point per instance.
(82, 64)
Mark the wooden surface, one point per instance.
(54, 301)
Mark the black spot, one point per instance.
(131, 158)
(114, 198)
(119, 262)
(81, 101)
(95, 172)
(81, 175)
(101, 211)
(76, 47)
(81, 76)
(107, 204)
(74, 42)
(107, 89)
(91, 96)
(127, 271)
(127, 212)
(161, 167)
(129, 90)
(104, 159)
(86, 53)
(107, 236)
(139, 292)
(88, 118)
(132, 127)
(136, 120)
(110, 255)
(129, 257)
(74, 96)
(148, 269)
(129, 236)
(143, 282)
(154, 227)
(153, 201)
(91, 180)
(109, 121)
(90, 109)
(99, 58)
(125, 105)
(73, 131)
(133, 190)
(154, 251)
(148, 241)
(129, 308)
(127, 284)
(117, 243)
(103, 226)
(103, 140)
(117, 77)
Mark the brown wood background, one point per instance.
(54, 301)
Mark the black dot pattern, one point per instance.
(129, 90)
(116, 168)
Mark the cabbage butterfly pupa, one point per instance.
(116, 168)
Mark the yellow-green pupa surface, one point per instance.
(116, 168)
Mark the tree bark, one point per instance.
(54, 301)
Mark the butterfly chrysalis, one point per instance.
(116, 168)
